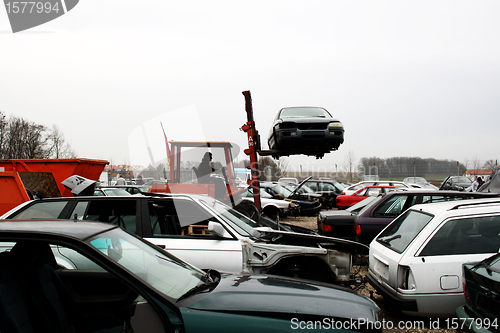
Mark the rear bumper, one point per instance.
(399, 302)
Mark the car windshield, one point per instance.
(415, 180)
(369, 204)
(401, 232)
(304, 113)
(279, 189)
(239, 222)
(495, 263)
(162, 271)
(461, 179)
(356, 208)
(115, 191)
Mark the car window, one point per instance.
(373, 191)
(465, 236)
(99, 193)
(393, 206)
(361, 193)
(401, 232)
(178, 218)
(327, 187)
(41, 210)
(119, 212)
(313, 186)
(439, 198)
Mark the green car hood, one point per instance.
(261, 294)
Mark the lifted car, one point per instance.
(307, 130)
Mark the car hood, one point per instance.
(280, 295)
(294, 238)
(300, 185)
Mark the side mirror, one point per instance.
(216, 229)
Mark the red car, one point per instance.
(344, 201)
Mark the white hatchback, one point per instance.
(416, 261)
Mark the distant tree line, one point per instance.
(24, 139)
(397, 167)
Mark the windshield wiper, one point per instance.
(388, 241)
(207, 284)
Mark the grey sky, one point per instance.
(407, 78)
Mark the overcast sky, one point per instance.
(406, 78)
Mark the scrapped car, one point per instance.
(349, 190)
(110, 191)
(329, 189)
(309, 206)
(416, 261)
(456, 183)
(119, 282)
(271, 207)
(345, 201)
(481, 282)
(305, 130)
(207, 234)
(377, 214)
(340, 223)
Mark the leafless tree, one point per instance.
(349, 164)
(24, 139)
(476, 163)
(491, 165)
(57, 145)
(284, 166)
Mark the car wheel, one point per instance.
(272, 213)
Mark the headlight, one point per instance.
(335, 125)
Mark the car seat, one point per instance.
(35, 266)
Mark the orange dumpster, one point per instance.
(20, 177)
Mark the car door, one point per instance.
(371, 222)
(180, 226)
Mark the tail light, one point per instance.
(326, 227)
(406, 280)
(358, 229)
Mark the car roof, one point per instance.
(442, 192)
(461, 207)
(67, 228)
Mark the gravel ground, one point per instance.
(390, 317)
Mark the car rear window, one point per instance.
(401, 232)
(41, 210)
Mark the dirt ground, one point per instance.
(392, 320)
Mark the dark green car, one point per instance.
(119, 282)
(481, 311)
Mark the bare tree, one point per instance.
(57, 145)
(24, 139)
(476, 163)
(283, 166)
(491, 165)
(349, 164)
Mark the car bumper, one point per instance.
(401, 303)
(285, 138)
(433, 305)
(468, 319)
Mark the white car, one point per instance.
(416, 261)
(206, 233)
(358, 186)
(273, 208)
